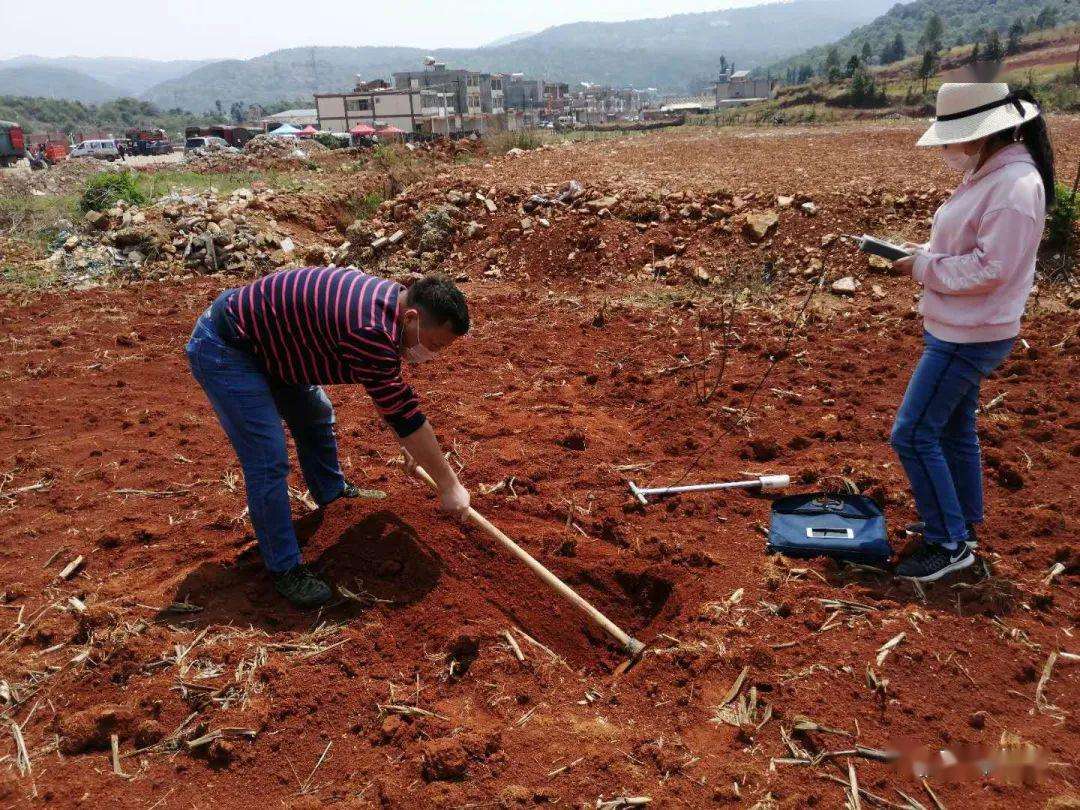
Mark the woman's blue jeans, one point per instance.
(251, 408)
(934, 435)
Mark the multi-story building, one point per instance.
(475, 93)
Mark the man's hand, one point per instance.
(421, 449)
(455, 499)
(905, 265)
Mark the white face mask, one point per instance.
(418, 353)
(956, 160)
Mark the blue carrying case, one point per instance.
(842, 526)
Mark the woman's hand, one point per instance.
(905, 265)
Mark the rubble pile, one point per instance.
(63, 178)
(673, 235)
(201, 233)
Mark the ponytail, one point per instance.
(1036, 137)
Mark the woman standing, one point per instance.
(976, 271)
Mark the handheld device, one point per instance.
(879, 247)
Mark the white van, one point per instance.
(103, 150)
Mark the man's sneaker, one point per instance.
(350, 490)
(918, 528)
(301, 587)
(931, 562)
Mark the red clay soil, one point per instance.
(570, 383)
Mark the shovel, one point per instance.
(629, 644)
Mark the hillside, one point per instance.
(671, 53)
(54, 82)
(129, 76)
(53, 115)
(963, 20)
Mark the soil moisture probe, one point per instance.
(765, 482)
(630, 644)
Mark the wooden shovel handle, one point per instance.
(630, 644)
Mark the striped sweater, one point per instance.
(326, 325)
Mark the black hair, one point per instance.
(1036, 137)
(439, 299)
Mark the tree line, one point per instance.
(987, 45)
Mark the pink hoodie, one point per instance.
(979, 265)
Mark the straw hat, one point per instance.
(967, 111)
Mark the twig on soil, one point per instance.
(622, 802)
(911, 802)
(804, 723)
(221, 733)
(992, 403)
(305, 786)
(879, 800)
(149, 493)
(853, 786)
(71, 568)
(22, 756)
(735, 687)
(883, 650)
(565, 768)
(1057, 569)
(933, 796)
(54, 555)
(1040, 702)
(518, 654)
(554, 656)
(114, 744)
(407, 711)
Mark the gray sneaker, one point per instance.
(301, 587)
(930, 562)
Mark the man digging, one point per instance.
(261, 352)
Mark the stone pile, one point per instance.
(203, 233)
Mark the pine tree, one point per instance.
(975, 54)
(994, 51)
(867, 53)
(1048, 18)
(932, 33)
(1016, 34)
(832, 65)
(927, 68)
(894, 51)
(853, 64)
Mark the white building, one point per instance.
(404, 109)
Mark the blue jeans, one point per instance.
(934, 435)
(251, 408)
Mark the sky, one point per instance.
(240, 29)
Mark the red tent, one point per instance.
(391, 130)
(362, 130)
(309, 130)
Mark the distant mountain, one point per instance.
(54, 82)
(670, 53)
(130, 76)
(963, 21)
(508, 39)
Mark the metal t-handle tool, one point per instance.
(630, 644)
(764, 481)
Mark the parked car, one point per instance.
(208, 142)
(100, 149)
(12, 143)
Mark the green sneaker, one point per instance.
(301, 587)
